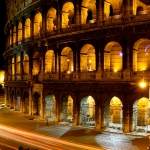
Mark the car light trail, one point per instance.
(41, 141)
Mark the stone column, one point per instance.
(98, 116)
(77, 13)
(76, 110)
(58, 104)
(127, 118)
(41, 105)
(30, 101)
(23, 29)
(100, 11)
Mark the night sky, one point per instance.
(2, 35)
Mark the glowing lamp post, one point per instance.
(143, 84)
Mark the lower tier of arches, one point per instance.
(99, 107)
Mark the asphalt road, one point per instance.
(106, 140)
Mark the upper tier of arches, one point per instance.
(69, 14)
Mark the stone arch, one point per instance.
(37, 24)
(13, 67)
(51, 19)
(87, 111)
(26, 102)
(36, 63)
(87, 58)
(18, 64)
(20, 31)
(14, 35)
(141, 55)
(112, 7)
(113, 114)
(26, 63)
(113, 60)
(67, 109)
(49, 61)
(27, 28)
(141, 115)
(67, 60)
(50, 107)
(88, 11)
(36, 103)
(67, 14)
(18, 100)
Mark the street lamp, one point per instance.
(143, 84)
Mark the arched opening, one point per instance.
(67, 14)
(37, 24)
(51, 19)
(88, 11)
(10, 37)
(36, 63)
(14, 35)
(36, 104)
(49, 61)
(112, 7)
(67, 110)
(19, 32)
(50, 108)
(18, 64)
(67, 60)
(26, 63)
(87, 58)
(113, 115)
(13, 68)
(139, 10)
(12, 100)
(27, 28)
(141, 55)
(26, 103)
(113, 57)
(87, 112)
(141, 115)
(18, 101)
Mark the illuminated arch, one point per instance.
(88, 11)
(10, 37)
(113, 57)
(141, 114)
(139, 7)
(87, 58)
(87, 111)
(18, 64)
(51, 18)
(67, 14)
(141, 55)
(13, 66)
(26, 63)
(37, 24)
(19, 32)
(115, 112)
(67, 60)
(49, 61)
(14, 35)
(36, 63)
(50, 107)
(112, 7)
(67, 109)
(27, 28)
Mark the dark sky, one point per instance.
(2, 37)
